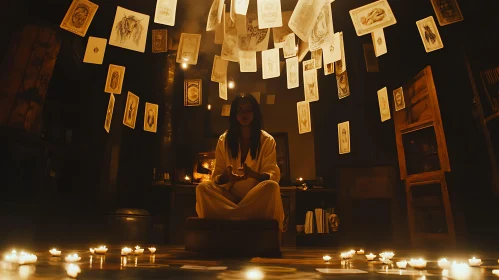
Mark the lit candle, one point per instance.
(254, 274)
(72, 258)
(495, 271)
(402, 264)
(138, 250)
(475, 262)
(26, 258)
(387, 255)
(385, 260)
(187, 178)
(152, 250)
(101, 250)
(92, 250)
(346, 255)
(125, 251)
(326, 258)
(55, 253)
(352, 252)
(184, 65)
(460, 270)
(370, 257)
(73, 270)
(300, 179)
(418, 264)
(360, 252)
(443, 263)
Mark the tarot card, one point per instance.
(269, 13)
(232, 11)
(344, 137)
(131, 107)
(193, 92)
(165, 12)
(323, 31)
(429, 34)
(304, 120)
(125, 36)
(151, 117)
(372, 16)
(225, 110)
(230, 49)
(398, 97)
(308, 65)
(96, 47)
(371, 59)
(289, 49)
(271, 99)
(341, 65)
(114, 81)
(293, 76)
(215, 14)
(317, 56)
(159, 40)
(379, 42)
(329, 69)
(304, 16)
(279, 33)
(222, 90)
(220, 29)
(79, 16)
(240, 21)
(255, 39)
(219, 70)
(343, 85)
(247, 61)
(447, 11)
(188, 48)
(310, 85)
(241, 7)
(270, 64)
(332, 52)
(109, 113)
(384, 107)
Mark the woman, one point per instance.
(244, 183)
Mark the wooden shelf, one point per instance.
(419, 97)
(416, 126)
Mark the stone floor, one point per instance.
(175, 263)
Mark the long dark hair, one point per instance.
(234, 131)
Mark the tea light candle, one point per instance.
(346, 255)
(496, 271)
(92, 250)
(418, 264)
(101, 250)
(138, 250)
(26, 258)
(402, 264)
(12, 257)
(387, 255)
(443, 263)
(370, 257)
(187, 178)
(360, 252)
(152, 250)
(352, 252)
(73, 270)
(72, 258)
(55, 253)
(125, 251)
(460, 270)
(475, 262)
(326, 258)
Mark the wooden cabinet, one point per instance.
(423, 161)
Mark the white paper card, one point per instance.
(151, 117)
(220, 29)
(109, 113)
(344, 137)
(269, 13)
(332, 52)
(230, 50)
(341, 65)
(304, 16)
(379, 42)
(384, 107)
(222, 90)
(165, 12)
(131, 107)
(292, 73)
(310, 85)
(219, 70)
(429, 34)
(247, 61)
(254, 39)
(188, 48)
(304, 120)
(279, 33)
(124, 36)
(290, 49)
(241, 7)
(317, 57)
(96, 47)
(323, 31)
(270, 64)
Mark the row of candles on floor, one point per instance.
(386, 257)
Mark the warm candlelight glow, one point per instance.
(387, 255)
(460, 270)
(443, 263)
(402, 264)
(496, 271)
(184, 65)
(209, 106)
(72, 258)
(73, 270)
(21, 258)
(360, 252)
(254, 274)
(419, 264)
(475, 262)
(125, 251)
(385, 260)
(300, 179)
(92, 250)
(55, 253)
(326, 258)
(346, 255)
(370, 257)
(187, 178)
(138, 250)
(231, 84)
(101, 250)
(152, 250)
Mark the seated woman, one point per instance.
(244, 183)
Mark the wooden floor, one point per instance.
(175, 263)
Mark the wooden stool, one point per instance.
(244, 238)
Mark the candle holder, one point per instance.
(125, 251)
(138, 250)
(370, 257)
(152, 250)
(402, 264)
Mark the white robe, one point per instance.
(247, 198)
